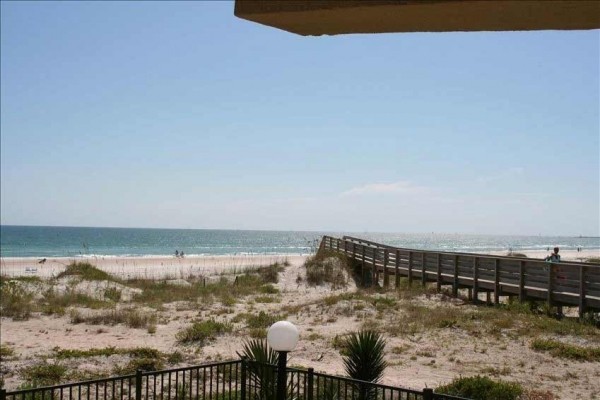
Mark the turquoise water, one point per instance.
(39, 241)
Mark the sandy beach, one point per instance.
(156, 267)
(417, 357)
(146, 267)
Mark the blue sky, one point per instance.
(165, 114)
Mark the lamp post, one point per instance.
(282, 336)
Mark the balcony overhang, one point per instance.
(334, 17)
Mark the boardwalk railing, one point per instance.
(229, 380)
(559, 284)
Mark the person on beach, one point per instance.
(554, 257)
(181, 254)
(176, 253)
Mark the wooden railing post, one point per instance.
(397, 276)
(362, 266)
(455, 282)
(521, 281)
(439, 272)
(581, 291)
(475, 280)
(550, 285)
(375, 271)
(496, 281)
(423, 274)
(386, 279)
(410, 266)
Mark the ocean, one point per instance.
(46, 241)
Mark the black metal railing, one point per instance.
(229, 380)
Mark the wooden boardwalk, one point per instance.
(559, 284)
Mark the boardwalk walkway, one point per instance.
(560, 284)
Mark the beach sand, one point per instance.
(146, 267)
(425, 359)
(157, 267)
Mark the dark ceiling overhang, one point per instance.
(334, 17)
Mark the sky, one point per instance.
(181, 115)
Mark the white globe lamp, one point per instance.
(282, 336)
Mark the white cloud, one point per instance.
(401, 187)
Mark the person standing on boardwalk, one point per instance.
(554, 257)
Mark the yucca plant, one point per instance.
(363, 360)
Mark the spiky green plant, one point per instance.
(363, 360)
(262, 374)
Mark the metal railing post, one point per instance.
(243, 378)
(310, 383)
(2, 394)
(138, 384)
(427, 394)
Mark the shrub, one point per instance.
(86, 271)
(482, 388)
(263, 320)
(202, 332)
(270, 274)
(43, 374)
(113, 294)
(325, 267)
(6, 352)
(363, 360)
(131, 318)
(15, 301)
(563, 350)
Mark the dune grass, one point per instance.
(564, 350)
(86, 271)
(203, 332)
(130, 317)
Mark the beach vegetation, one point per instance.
(268, 289)
(270, 273)
(327, 267)
(261, 357)
(87, 272)
(481, 388)
(56, 303)
(363, 358)
(202, 332)
(266, 299)
(263, 319)
(565, 350)
(142, 363)
(516, 254)
(130, 317)
(113, 294)
(43, 373)
(594, 260)
(6, 352)
(16, 301)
